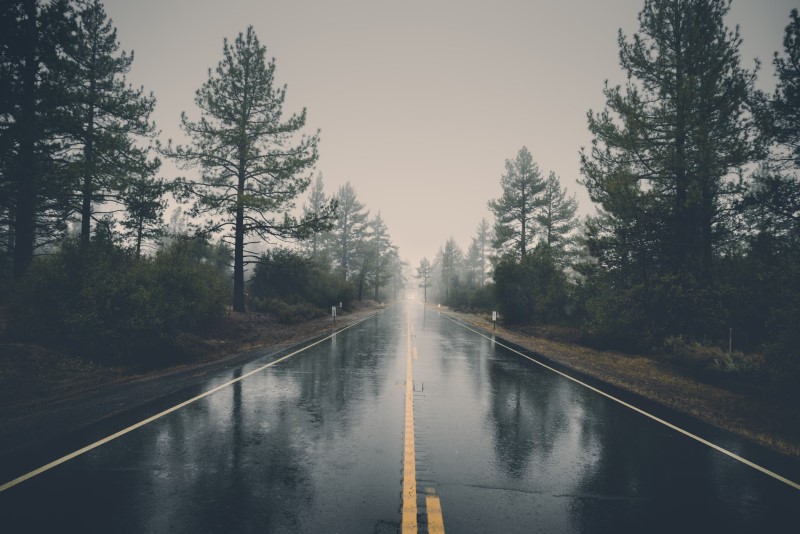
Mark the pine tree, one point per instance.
(106, 117)
(398, 273)
(452, 261)
(424, 272)
(482, 241)
(662, 152)
(33, 197)
(317, 207)
(515, 211)
(349, 230)
(382, 254)
(775, 192)
(253, 167)
(556, 217)
(472, 264)
(143, 198)
(786, 100)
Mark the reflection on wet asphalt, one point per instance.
(512, 446)
(315, 444)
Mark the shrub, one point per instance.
(782, 351)
(100, 302)
(638, 315)
(471, 298)
(288, 313)
(533, 289)
(710, 359)
(288, 276)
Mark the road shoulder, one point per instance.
(86, 401)
(755, 418)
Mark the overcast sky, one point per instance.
(419, 103)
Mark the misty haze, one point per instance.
(359, 266)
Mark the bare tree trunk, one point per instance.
(238, 254)
(25, 223)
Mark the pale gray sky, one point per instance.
(419, 102)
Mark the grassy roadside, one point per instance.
(751, 413)
(34, 378)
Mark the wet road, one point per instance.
(316, 443)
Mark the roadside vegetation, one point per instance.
(693, 256)
(103, 303)
(88, 265)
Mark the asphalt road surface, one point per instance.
(405, 422)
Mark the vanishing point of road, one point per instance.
(405, 422)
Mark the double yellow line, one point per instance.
(432, 504)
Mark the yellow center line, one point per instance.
(433, 505)
(409, 458)
(435, 521)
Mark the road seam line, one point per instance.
(159, 415)
(714, 446)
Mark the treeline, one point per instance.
(86, 261)
(75, 137)
(695, 247)
(522, 265)
(354, 259)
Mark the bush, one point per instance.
(782, 351)
(288, 313)
(710, 359)
(101, 302)
(471, 298)
(285, 275)
(638, 315)
(531, 290)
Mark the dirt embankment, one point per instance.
(750, 412)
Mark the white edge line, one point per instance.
(735, 456)
(159, 415)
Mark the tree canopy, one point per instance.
(665, 152)
(515, 210)
(252, 162)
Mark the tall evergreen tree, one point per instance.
(107, 118)
(786, 100)
(515, 211)
(349, 230)
(31, 196)
(382, 255)
(765, 305)
(318, 205)
(664, 146)
(556, 217)
(452, 261)
(253, 166)
(482, 242)
(398, 273)
(472, 264)
(775, 192)
(143, 198)
(424, 273)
